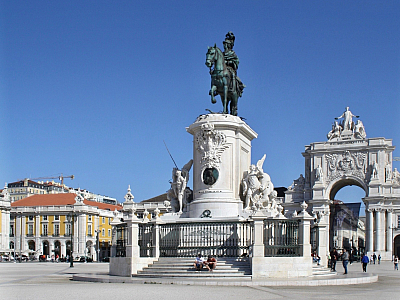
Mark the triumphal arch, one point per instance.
(347, 158)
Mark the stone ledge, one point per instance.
(338, 280)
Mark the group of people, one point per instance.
(210, 263)
(334, 257)
(365, 260)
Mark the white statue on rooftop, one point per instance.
(298, 184)
(347, 129)
(359, 130)
(335, 132)
(257, 186)
(177, 195)
(347, 116)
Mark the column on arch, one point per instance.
(370, 230)
(389, 232)
(378, 231)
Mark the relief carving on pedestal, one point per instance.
(211, 144)
(347, 163)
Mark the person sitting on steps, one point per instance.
(211, 263)
(199, 262)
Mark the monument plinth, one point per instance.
(221, 155)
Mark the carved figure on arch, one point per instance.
(359, 130)
(298, 184)
(388, 172)
(374, 173)
(319, 175)
(335, 132)
(257, 186)
(396, 177)
(177, 195)
(347, 116)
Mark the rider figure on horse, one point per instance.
(232, 62)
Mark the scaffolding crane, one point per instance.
(61, 178)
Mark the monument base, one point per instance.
(215, 208)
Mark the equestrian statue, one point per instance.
(224, 79)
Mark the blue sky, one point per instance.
(92, 88)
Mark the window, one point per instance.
(109, 221)
(45, 218)
(11, 230)
(67, 229)
(109, 232)
(30, 217)
(398, 221)
(104, 220)
(90, 218)
(103, 232)
(30, 229)
(44, 231)
(56, 218)
(56, 229)
(89, 229)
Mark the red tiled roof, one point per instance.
(58, 200)
(102, 205)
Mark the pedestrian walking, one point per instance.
(379, 259)
(396, 263)
(334, 258)
(345, 260)
(364, 262)
(374, 257)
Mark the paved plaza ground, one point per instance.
(34, 280)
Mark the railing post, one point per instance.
(258, 246)
(304, 231)
(156, 234)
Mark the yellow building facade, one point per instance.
(46, 225)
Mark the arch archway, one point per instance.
(348, 158)
(46, 250)
(396, 248)
(347, 218)
(57, 248)
(89, 245)
(68, 248)
(31, 245)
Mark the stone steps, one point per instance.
(320, 271)
(227, 268)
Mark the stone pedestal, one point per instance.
(221, 155)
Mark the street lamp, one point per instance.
(71, 256)
(97, 244)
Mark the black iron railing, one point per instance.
(281, 238)
(145, 240)
(121, 241)
(230, 239)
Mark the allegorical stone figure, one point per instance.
(257, 186)
(319, 175)
(176, 194)
(347, 119)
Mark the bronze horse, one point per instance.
(222, 82)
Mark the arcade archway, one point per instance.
(348, 158)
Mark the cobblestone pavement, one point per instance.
(34, 280)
